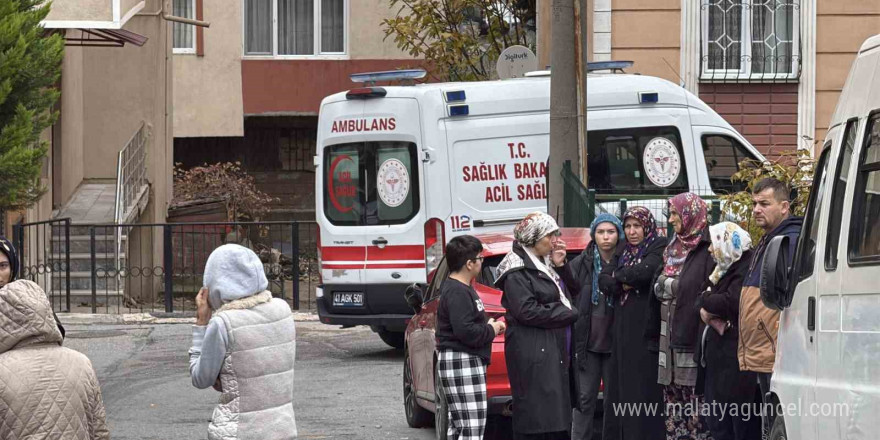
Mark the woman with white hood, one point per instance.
(244, 345)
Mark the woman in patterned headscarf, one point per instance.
(537, 342)
(687, 265)
(634, 371)
(727, 386)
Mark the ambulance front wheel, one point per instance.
(394, 339)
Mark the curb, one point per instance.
(148, 318)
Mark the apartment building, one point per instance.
(772, 68)
(248, 88)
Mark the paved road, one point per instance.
(348, 383)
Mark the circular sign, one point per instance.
(515, 62)
(392, 182)
(662, 162)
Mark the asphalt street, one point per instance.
(348, 382)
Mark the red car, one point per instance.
(420, 361)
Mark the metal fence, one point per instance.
(39, 261)
(159, 267)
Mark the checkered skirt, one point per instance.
(463, 377)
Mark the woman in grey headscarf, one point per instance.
(538, 343)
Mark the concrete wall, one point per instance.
(208, 94)
(71, 121)
(366, 33)
(841, 28)
(81, 10)
(106, 94)
(649, 33)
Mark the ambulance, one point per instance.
(400, 170)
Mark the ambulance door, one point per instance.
(393, 223)
(339, 192)
(498, 167)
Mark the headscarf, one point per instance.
(528, 232)
(692, 210)
(632, 254)
(8, 249)
(597, 259)
(729, 241)
(533, 228)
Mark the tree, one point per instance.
(222, 181)
(795, 168)
(461, 39)
(30, 68)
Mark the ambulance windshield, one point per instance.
(642, 160)
(371, 183)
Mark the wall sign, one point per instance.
(392, 182)
(662, 162)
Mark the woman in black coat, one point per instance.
(634, 362)
(687, 265)
(725, 385)
(538, 339)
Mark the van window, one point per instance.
(617, 161)
(807, 247)
(838, 193)
(865, 241)
(723, 155)
(371, 183)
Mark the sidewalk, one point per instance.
(148, 318)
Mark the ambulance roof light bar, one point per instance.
(613, 66)
(370, 78)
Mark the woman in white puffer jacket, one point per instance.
(246, 350)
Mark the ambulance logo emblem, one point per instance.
(662, 162)
(393, 182)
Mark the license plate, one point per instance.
(348, 299)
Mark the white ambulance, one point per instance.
(403, 169)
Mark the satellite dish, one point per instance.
(515, 62)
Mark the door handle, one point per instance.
(811, 313)
(381, 242)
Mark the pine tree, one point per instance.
(30, 68)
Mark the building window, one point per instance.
(290, 28)
(184, 34)
(750, 39)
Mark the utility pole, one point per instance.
(581, 32)
(563, 103)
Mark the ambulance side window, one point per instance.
(371, 183)
(643, 160)
(723, 155)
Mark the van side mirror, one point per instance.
(775, 274)
(414, 297)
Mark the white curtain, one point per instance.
(296, 27)
(772, 36)
(332, 25)
(724, 50)
(183, 33)
(258, 27)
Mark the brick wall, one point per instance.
(766, 114)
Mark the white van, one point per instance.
(403, 169)
(827, 372)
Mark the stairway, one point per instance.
(93, 203)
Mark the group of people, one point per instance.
(244, 346)
(673, 327)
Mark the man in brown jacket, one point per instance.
(759, 325)
(46, 390)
